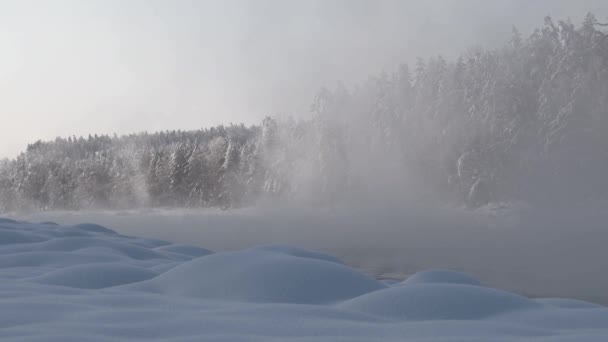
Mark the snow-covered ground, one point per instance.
(88, 283)
(536, 252)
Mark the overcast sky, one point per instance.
(74, 67)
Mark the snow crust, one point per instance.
(88, 283)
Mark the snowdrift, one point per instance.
(445, 301)
(267, 275)
(88, 283)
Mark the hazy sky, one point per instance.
(74, 67)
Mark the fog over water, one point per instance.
(74, 68)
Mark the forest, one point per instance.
(524, 122)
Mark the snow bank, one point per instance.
(512, 246)
(96, 276)
(439, 301)
(271, 275)
(88, 283)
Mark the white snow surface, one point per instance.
(88, 283)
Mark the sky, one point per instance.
(72, 67)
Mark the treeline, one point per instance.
(196, 168)
(527, 121)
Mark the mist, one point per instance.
(290, 170)
(101, 67)
(332, 155)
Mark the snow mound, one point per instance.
(6, 220)
(8, 237)
(96, 276)
(89, 283)
(441, 277)
(268, 275)
(566, 303)
(299, 252)
(55, 259)
(71, 244)
(185, 250)
(94, 228)
(439, 302)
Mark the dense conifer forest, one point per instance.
(527, 121)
